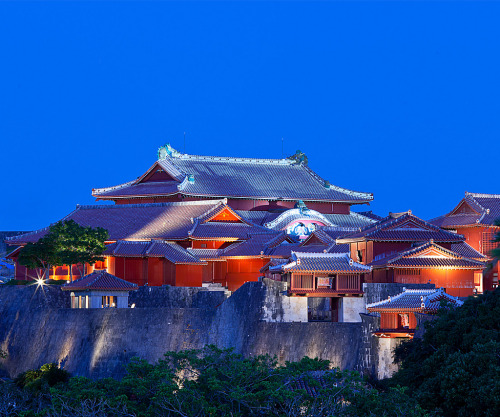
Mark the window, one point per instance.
(488, 244)
(108, 301)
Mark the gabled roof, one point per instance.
(154, 249)
(209, 176)
(474, 209)
(324, 262)
(134, 221)
(401, 227)
(99, 281)
(428, 255)
(227, 231)
(422, 301)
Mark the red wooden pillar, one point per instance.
(144, 271)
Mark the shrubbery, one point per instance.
(208, 382)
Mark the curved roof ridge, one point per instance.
(482, 195)
(231, 159)
(112, 188)
(327, 184)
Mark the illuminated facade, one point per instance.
(474, 217)
(403, 248)
(193, 220)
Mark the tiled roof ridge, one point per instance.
(233, 159)
(471, 199)
(425, 246)
(386, 223)
(482, 195)
(405, 291)
(326, 184)
(97, 191)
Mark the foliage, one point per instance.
(49, 374)
(78, 245)
(455, 368)
(496, 252)
(212, 382)
(40, 256)
(66, 243)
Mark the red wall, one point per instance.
(188, 275)
(240, 271)
(246, 204)
(456, 282)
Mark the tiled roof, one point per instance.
(259, 217)
(324, 262)
(206, 254)
(256, 245)
(467, 251)
(134, 221)
(424, 301)
(207, 176)
(486, 207)
(273, 263)
(99, 280)
(402, 228)
(370, 214)
(438, 257)
(227, 230)
(169, 250)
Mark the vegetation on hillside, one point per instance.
(208, 382)
(455, 368)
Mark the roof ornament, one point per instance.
(191, 178)
(351, 262)
(167, 150)
(298, 158)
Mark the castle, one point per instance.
(193, 221)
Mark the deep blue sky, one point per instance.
(401, 99)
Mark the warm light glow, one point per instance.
(40, 282)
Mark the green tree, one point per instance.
(496, 252)
(40, 256)
(66, 243)
(455, 368)
(78, 245)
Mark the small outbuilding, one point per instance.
(99, 290)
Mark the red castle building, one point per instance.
(474, 217)
(403, 248)
(190, 220)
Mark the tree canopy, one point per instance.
(66, 243)
(455, 367)
(208, 382)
